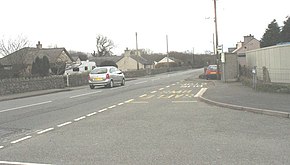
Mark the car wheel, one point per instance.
(123, 82)
(111, 84)
(92, 87)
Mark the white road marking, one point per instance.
(153, 92)
(22, 139)
(64, 124)
(167, 86)
(143, 95)
(140, 102)
(161, 96)
(25, 106)
(120, 103)
(44, 131)
(20, 163)
(173, 84)
(189, 91)
(161, 89)
(1, 147)
(91, 114)
(103, 110)
(201, 92)
(128, 101)
(113, 106)
(177, 96)
(141, 82)
(80, 118)
(84, 94)
(184, 101)
(170, 96)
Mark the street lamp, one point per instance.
(216, 40)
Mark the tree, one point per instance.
(40, 66)
(104, 46)
(11, 45)
(285, 33)
(272, 35)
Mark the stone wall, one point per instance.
(21, 85)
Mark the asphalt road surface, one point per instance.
(151, 120)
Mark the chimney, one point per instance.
(248, 38)
(39, 45)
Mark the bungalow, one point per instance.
(130, 61)
(19, 63)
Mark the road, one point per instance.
(150, 120)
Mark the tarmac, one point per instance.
(230, 95)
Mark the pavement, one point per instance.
(230, 95)
(236, 96)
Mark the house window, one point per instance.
(86, 68)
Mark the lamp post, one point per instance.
(216, 40)
(167, 52)
(137, 54)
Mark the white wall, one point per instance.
(275, 58)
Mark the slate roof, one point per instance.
(27, 55)
(141, 60)
(99, 60)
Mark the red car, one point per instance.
(211, 72)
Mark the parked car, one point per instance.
(107, 76)
(211, 72)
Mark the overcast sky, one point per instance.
(74, 24)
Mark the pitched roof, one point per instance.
(27, 55)
(141, 60)
(99, 60)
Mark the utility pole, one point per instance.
(137, 54)
(167, 51)
(216, 41)
(192, 57)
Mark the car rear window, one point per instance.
(212, 67)
(99, 71)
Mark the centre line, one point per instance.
(22, 139)
(161, 89)
(128, 101)
(120, 103)
(112, 107)
(64, 124)
(25, 106)
(153, 92)
(1, 147)
(80, 118)
(103, 110)
(44, 131)
(84, 94)
(143, 95)
(91, 114)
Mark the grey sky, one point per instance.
(73, 24)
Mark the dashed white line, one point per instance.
(103, 110)
(20, 163)
(44, 131)
(128, 101)
(173, 84)
(25, 106)
(1, 147)
(91, 114)
(161, 89)
(120, 103)
(84, 94)
(171, 96)
(167, 86)
(64, 124)
(113, 106)
(153, 92)
(22, 139)
(143, 95)
(80, 118)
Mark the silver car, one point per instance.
(107, 76)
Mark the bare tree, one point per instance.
(11, 45)
(104, 46)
